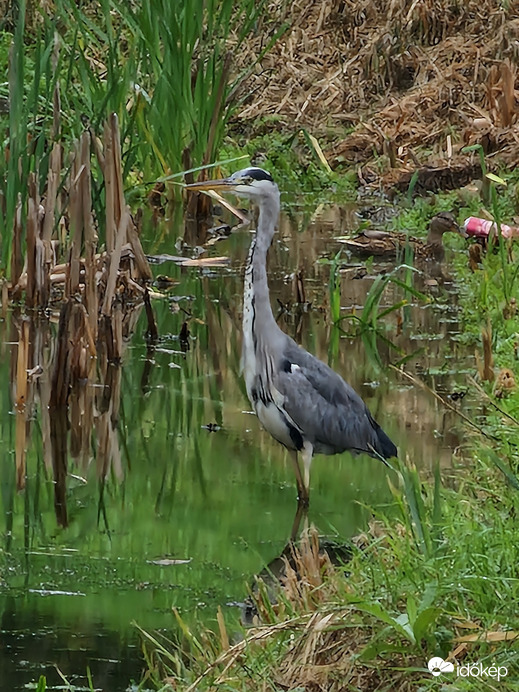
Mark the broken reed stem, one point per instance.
(51, 203)
(22, 363)
(114, 261)
(53, 179)
(115, 202)
(119, 201)
(140, 258)
(38, 269)
(91, 292)
(76, 221)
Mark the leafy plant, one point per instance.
(371, 318)
(184, 47)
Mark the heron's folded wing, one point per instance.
(323, 406)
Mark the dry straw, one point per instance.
(406, 76)
(74, 374)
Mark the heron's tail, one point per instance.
(385, 447)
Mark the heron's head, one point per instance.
(251, 183)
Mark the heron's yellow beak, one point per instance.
(218, 184)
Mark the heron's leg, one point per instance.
(306, 454)
(301, 493)
(302, 511)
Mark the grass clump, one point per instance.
(435, 579)
(296, 161)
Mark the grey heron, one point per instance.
(299, 400)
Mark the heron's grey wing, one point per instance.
(328, 411)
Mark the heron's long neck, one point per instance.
(258, 319)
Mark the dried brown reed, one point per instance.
(99, 295)
(324, 634)
(486, 366)
(505, 383)
(403, 75)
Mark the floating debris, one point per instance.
(166, 562)
(188, 261)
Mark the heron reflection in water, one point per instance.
(299, 400)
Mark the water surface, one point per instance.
(197, 498)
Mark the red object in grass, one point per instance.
(481, 228)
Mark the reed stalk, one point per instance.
(22, 364)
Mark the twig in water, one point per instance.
(447, 404)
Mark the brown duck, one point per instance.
(391, 244)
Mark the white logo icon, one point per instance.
(437, 666)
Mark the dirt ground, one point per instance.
(394, 85)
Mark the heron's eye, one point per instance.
(247, 180)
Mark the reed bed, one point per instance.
(70, 249)
(94, 293)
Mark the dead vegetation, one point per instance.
(61, 223)
(326, 637)
(416, 82)
(94, 294)
(316, 635)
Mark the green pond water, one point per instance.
(193, 479)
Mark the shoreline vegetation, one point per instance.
(439, 578)
(422, 102)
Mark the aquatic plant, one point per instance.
(165, 71)
(370, 321)
(185, 49)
